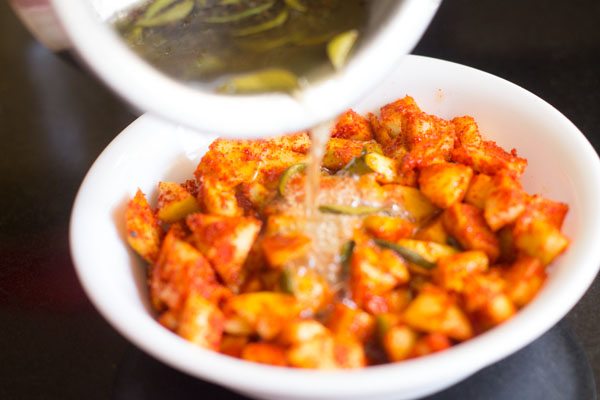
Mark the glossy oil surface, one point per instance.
(214, 40)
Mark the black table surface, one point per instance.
(55, 120)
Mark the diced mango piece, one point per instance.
(219, 198)
(484, 296)
(179, 270)
(431, 343)
(201, 322)
(409, 201)
(229, 163)
(351, 125)
(265, 353)
(395, 116)
(308, 287)
(348, 353)
(386, 321)
(524, 279)
(433, 310)
(316, 353)
(541, 208)
(235, 161)
(397, 300)
(233, 345)
(175, 202)
(466, 224)
(266, 313)
(393, 301)
(374, 271)
(388, 228)
(237, 326)
(498, 310)
(386, 168)
(505, 201)
(281, 249)
(300, 331)
(411, 136)
(488, 158)
(253, 196)
(540, 239)
(226, 242)
(479, 190)
(452, 271)
(480, 288)
(143, 230)
(284, 224)
(445, 184)
(467, 131)
(327, 352)
(399, 342)
(537, 230)
(340, 152)
(351, 321)
(433, 231)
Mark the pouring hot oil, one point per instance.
(245, 46)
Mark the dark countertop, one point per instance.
(56, 119)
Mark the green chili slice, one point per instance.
(406, 253)
(451, 241)
(357, 166)
(346, 255)
(178, 12)
(290, 172)
(286, 281)
(382, 325)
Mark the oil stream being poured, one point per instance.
(319, 136)
(328, 232)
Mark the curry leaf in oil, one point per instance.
(170, 15)
(265, 26)
(222, 19)
(268, 80)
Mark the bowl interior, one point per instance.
(562, 166)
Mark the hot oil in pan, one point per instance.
(282, 44)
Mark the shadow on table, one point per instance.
(552, 368)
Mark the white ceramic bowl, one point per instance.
(562, 165)
(399, 25)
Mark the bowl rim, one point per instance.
(151, 91)
(530, 323)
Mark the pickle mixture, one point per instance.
(424, 239)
